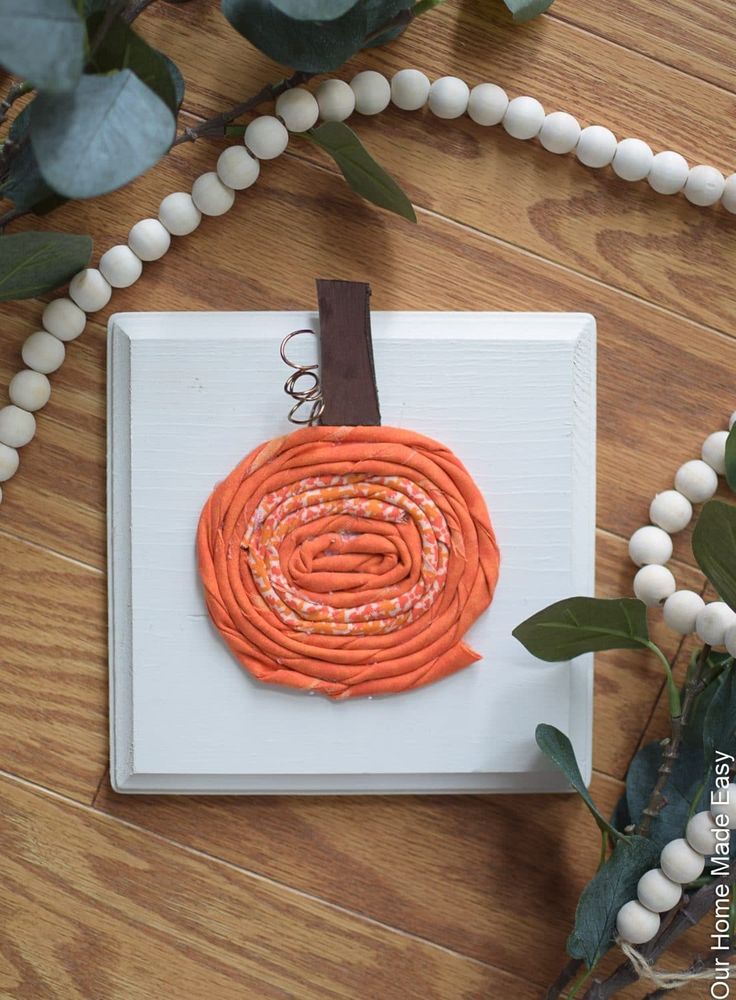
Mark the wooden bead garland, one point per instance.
(487, 104)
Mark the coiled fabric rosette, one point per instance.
(348, 560)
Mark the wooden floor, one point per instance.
(109, 898)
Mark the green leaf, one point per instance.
(34, 263)
(719, 726)
(525, 10)
(579, 625)
(685, 784)
(557, 746)
(693, 733)
(731, 458)
(313, 46)
(613, 885)
(24, 185)
(113, 130)
(122, 48)
(366, 177)
(42, 41)
(714, 546)
(314, 10)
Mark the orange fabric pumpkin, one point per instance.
(348, 560)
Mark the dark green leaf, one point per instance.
(24, 185)
(312, 46)
(557, 746)
(613, 885)
(693, 732)
(42, 41)
(122, 48)
(525, 10)
(34, 263)
(113, 130)
(719, 726)
(685, 784)
(714, 546)
(314, 10)
(584, 625)
(620, 817)
(366, 177)
(731, 458)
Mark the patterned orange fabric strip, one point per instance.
(348, 560)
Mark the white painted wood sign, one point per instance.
(512, 394)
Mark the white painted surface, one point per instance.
(189, 394)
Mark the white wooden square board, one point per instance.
(513, 394)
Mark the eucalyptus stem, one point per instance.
(672, 693)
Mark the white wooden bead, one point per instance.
(729, 639)
(487, 104)
(654, 584)
(704, 185)
(17, 426)
(681, 611)
(700, 833)
(671, 511)
(64, 319)
(297, 109)
(30, 390)
(632, 160)
(650, 545)
(635, 923)
(149, 239)
(211, 196)
(696, 480)
(668, 172)
(680, 862)
(524, 118)
(43, 352)
(120, 266)
(723, 803)
(266, 137)
(335, 99)
(90, 290)
(596, 146)
(9, 461)
(713, 451)
(372, 92)
(728, 198)
(236, 168)
(178, 213)
(409, 89)
(560, 132)
(713, 621)
(449, 97)
(657, 892)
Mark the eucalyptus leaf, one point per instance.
(314, 10)
(122, 48)
(686, 783)
(719, 726)
(731, 458)
(525, 10)
(42, 41)
(613, 885)
(114, 130)
(579, 625)
(366, 177)
(555, 745)
(693, 733)
(24, 185)
(313, 46)
(714, 547)
(34, 263)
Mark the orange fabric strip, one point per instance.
(348, 560)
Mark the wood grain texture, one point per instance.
(98, 909)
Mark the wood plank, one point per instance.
(698, 39)
(241, 261)
(53, 715)
(624, 234)
(92, 908)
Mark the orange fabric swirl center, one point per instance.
(348, 560)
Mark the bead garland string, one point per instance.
(369, 93)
